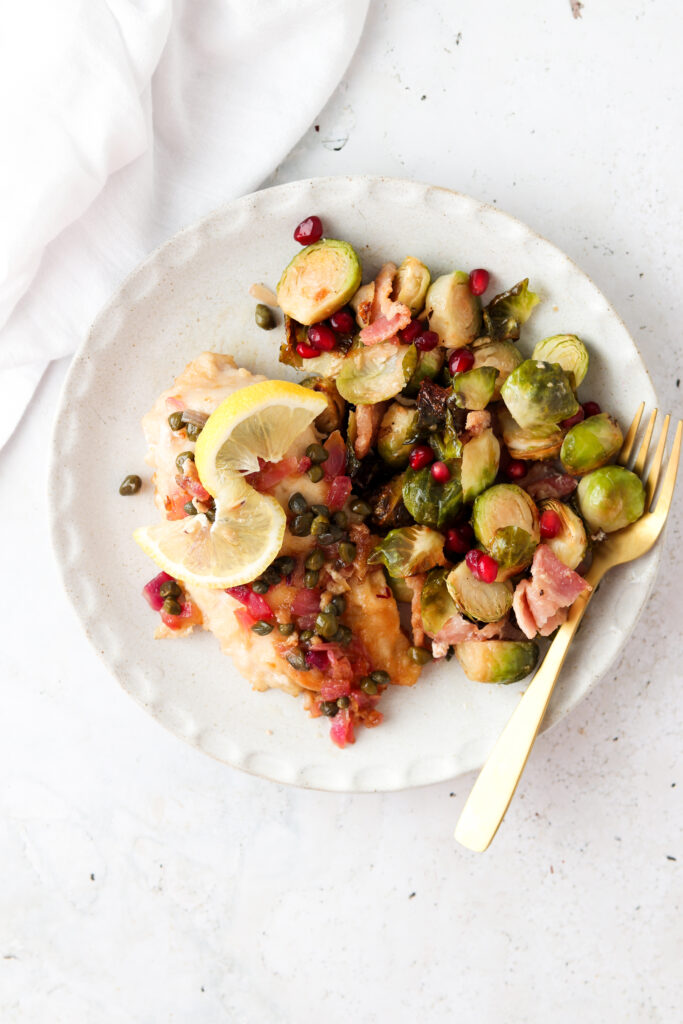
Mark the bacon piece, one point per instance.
(385, 328)
(339, 492)
(387, 317)
(359, 534)
(543, 482)
(335, 463)
(271, 473)
(189, 481)
(174, 505)
(416, 583)
(458, 630)
(368, 419)
(477, 422)
(306, 602)
(341, 730)
(552, 587)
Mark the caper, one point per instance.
(347, 552)
(262, 627)
(315, 473)
(343, 636)
(297, 503)
(190, 509)
(420, 655)
(368, 685)
(380, 677)
(311, 577)
(328, 609)
(306, 635)
(321, 510)
(326, 625)
(360, 507)
(301, 525)
(286, 564)
(343, 702)
(317, 453)
(193, 430)
(264, 317)
(211, 515)
(329, 708)
(130, 484)
(175, 421)
(286, 628)
(171, 588)
(272, 576)
(297, 659)
(320, 525)
(325, 539)
(315, 560)
(260, 586)
(182, 459)
(172, 607)
(339, 602)
(340, 519)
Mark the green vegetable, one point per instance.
(400, 589)
(411, 284)
(397, 426)
(428, 366)
(297, 659)
(347, 552)
(567, 350)
(317, 453)
(193, 430)
(285, 564)
(315, 473)
(260, 587)
(497, 661)
(611, 498)
(452, 310)
(590, 444)
(132, 483)
(537, 443)
(190, 508)
(388, 509)
(297, 503)
(326, 625)
(505, 313)
(380, 677)
(570, 544)
(420, 655)
(300, 526)
(474, 389)
(171, 588)
(286, 628)
(368, 685)
(172, 607)
(503, 356)
(182, 459)
(538, 394)
(262, 627)
(437, 605)
(319, 280)
(409, 550)
(333, 417)
(446, 443)
(431, 503)
(373, 374)
(175, 421)
(264, 317)
(513, 550)
(325, 366)
(480, 460)
(505, 519)
(485, 602)
(315, 560)
(360, 508)
(329, 708)
(311, 577)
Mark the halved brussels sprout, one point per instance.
(436, 604)
(504, 356)
(591, 444)
(371, 375)
(474, 389)
(410, 550)
(431, 503)
(480, 459)
(505, 522)
(428, 365)
(505, 313)
(452, 310)
(332, 418)
(387, 505)
(411, 284)
(395, 434)
(484, 602)
(400, 589)
(446, 443)
(319, 280)
(513, 550)
(361, 303)
(327, 364)
(537, 394)
(570, 544)
(539, 443)
(567, 350)
(611, 498)
(497, 661)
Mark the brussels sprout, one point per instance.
(371, 375)
(431, 503)
(611, 498)
(474, 388)
(497, 661)
(436, 604)
(452, 310)
(319, 280)
(570, 544)
(387, 505)
(513, 550)
(494, 513)
(591, 444)
(538, 394)
(327, 364)
(400, 589)
(505, 313)
(537, 443)
(332, 418)
(410, 550)
(445, 443)
(480, 459)
(428, 365)
(361, 303)
(411, 284)
(567, 350)
(504, 356)
(395, 434)
(485, 602)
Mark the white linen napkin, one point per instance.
(127, 120)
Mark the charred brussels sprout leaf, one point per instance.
(452, 311)
(570, 544)
(411, 284)
(505, 313)
(431, 407)
(395, 432)
(538, 443)
(480, 459)
(431, 503)
(327, 364)
(499, 508)
(483, 602)
(497, 661)
(410, 550)
(538, 394)
(400, 589)
(611, 498)
(387, 504)
(332, 418)
(319, 280)
(567, 350)
(429, 365)
(436, 604)
(513, 549)
(371, 375)
(503, 356)
(591, 444)
(474, 389)
(446, 444)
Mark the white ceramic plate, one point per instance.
(192, 295)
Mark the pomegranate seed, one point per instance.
(343, 321)
(573, 420)
(479, 281)
(459, 538)
(421, 456)
(307, 351)
(551, 524)
(309, 231)
(441, 472)
(411, 332)
(591, 409)
(461, 361)
(487, 569)
(322, 337)
(472, 561)
(515, 469)
(426, 341)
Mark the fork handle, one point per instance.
(497, 781)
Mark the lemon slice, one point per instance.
(242, 542)
(259, 421)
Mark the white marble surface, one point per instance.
(144, 883)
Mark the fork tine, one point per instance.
(669, 481)
(653, 476)
(639, 464)
(630, 437)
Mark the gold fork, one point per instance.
(497, 781)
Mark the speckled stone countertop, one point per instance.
(144, 883)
